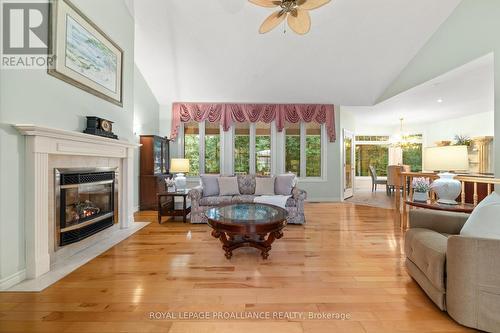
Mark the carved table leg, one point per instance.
(230, 241)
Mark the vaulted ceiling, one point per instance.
(464, 91)
(200, 50)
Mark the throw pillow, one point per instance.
(284, 184)
(264, 186)
(483, 222)
(210, 185)
(228, 186)
(246, 184)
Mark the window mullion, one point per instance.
(202, 147)
(222, 152)
(303, 150)
(252, 148)
(181, 151)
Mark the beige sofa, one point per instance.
(460, 274)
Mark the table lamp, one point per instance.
(179, 166)
(446, 160)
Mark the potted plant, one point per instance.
(462, 140)
(421, 187)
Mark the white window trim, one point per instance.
(275, 168)
(252, 151)
(382, 143)
(303, 155)
(253, 134)
(201, 151)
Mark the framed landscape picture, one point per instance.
(84, 55)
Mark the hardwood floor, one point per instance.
(347, 259)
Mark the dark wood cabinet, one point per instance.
(154, 169)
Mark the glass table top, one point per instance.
(247, 213)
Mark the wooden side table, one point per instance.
(434, 205)
(168, 207)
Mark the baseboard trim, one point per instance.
(12, 280)
(66, 266)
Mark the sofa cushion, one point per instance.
(244, 198)
(246, 184)
(210, 185)
(216, 200)
(264, 186)
(483, 222)
(284, 184)
(228, 186)
(427, 250)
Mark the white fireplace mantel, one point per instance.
(44, 141)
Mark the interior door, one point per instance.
(348, 138)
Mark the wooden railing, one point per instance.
(486, 184)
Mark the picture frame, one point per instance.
(85, 56)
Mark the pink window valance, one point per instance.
(227, 114)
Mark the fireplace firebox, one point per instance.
(86, 202)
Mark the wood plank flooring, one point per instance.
(347, 259)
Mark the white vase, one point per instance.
(447, 188)
(420, 196)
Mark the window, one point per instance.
(301, 150)
(242, 148)
(192, 147)
(212, 147)
(313, 150)
(263, 149)
(412, 156)
(372, 138)
(292, 148)
(371, 154)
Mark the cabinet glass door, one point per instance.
(157, 155)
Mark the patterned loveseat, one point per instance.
(246, 185)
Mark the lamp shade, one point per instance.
(179, 165)
(447, 158)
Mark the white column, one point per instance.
(127, 193)
(36, 214)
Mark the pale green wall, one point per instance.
(146, 119)
(34, 97)
(469, 33)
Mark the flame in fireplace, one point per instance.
(84, 209)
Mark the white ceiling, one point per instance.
(210, 50)
(466, 90)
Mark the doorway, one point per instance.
(348, 147)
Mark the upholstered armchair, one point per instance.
(460, 274)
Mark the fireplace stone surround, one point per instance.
(47, 149)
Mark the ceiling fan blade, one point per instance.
(272, 21)
(311, 4)
(299, 21)
(266, 3)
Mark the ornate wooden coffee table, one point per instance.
(242, 225)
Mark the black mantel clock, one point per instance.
(101, 127)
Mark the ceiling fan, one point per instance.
(297, 12)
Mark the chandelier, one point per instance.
(402, 139)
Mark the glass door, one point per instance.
(348, 139)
